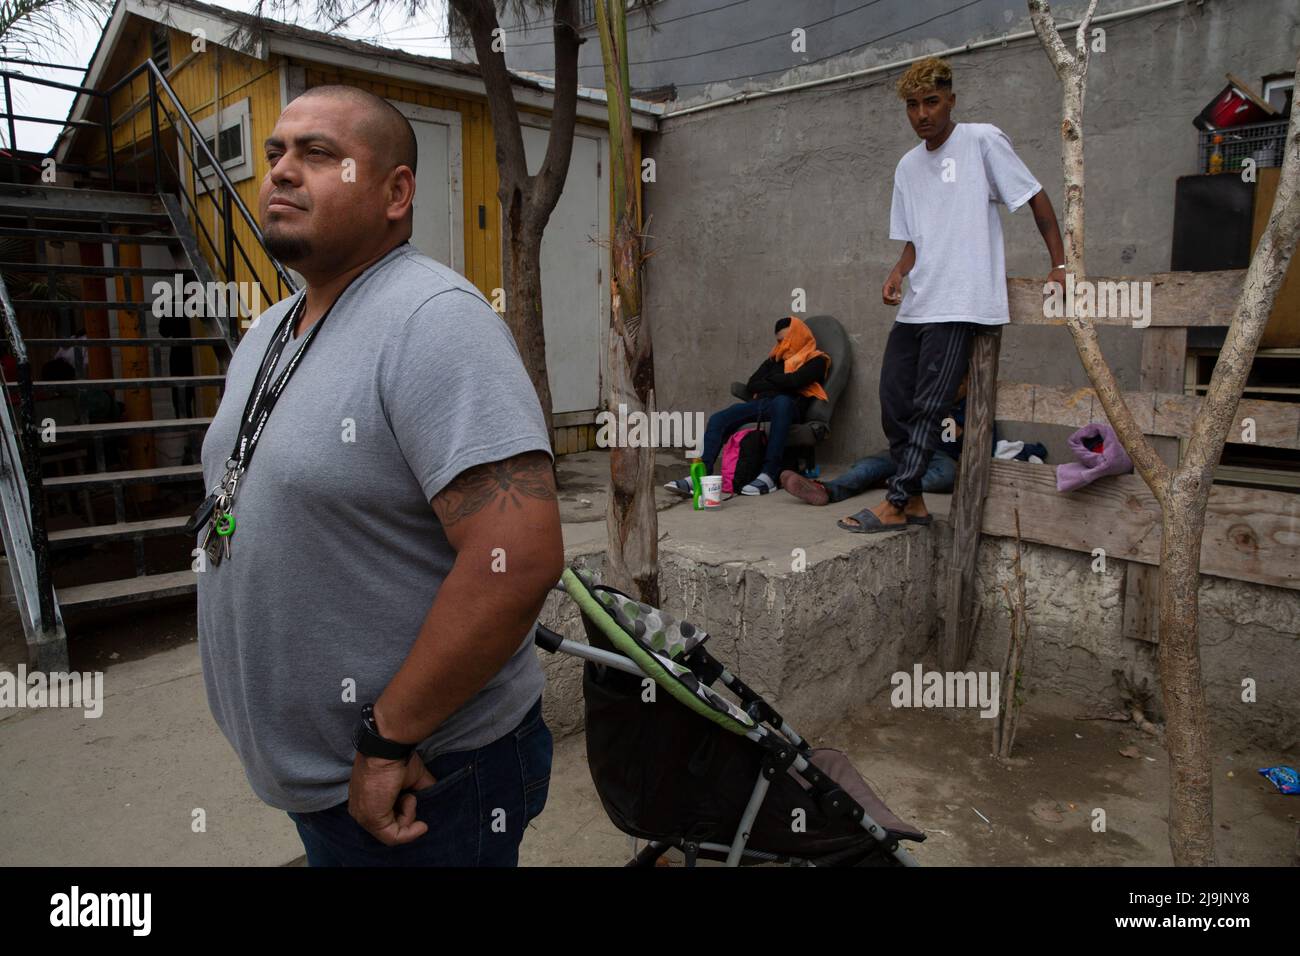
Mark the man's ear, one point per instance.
(952, 101)
(401, 193)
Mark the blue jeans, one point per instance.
(476, 811)
(781, 411)
(866, 473)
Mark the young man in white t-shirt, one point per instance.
(945, 194)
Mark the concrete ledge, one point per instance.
(823, 641)
(818, 642)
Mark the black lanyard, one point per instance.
(261, 400)
(263, 396)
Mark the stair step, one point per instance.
(118, 531)
(69, 236)
(144, 588)
(136, 476)
(36, 211)
(213, 340)
(81, 199)
(36, 268)
(20, 304)
(128, 428)
(127, 383)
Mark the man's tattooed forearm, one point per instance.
(506, 483)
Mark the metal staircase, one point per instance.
(122, 539)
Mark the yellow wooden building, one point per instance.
(233, 75)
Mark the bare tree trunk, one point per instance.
(1183, 492)
(527, 201)
(632, 562)
(1187, 723)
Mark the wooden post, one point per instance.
(967, 513)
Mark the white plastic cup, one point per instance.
(711, 486)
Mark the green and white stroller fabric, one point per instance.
(657, 642)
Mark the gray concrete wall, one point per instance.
(708, 49)
(817, 643)
(756, 199)
(821, 642)
(1077, 639)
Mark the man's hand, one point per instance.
(1057, 275)
(892, 293)
(373, 797)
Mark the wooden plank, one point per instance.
(133, 476)
(1277, 424)
(1250, 534)
(1177, 299)
(966, 510)
(124, 591)
(1141, 601)
(1283, 329)
(118, 530)
(1164, 356)
(1164, 353)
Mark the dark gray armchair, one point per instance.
(834, 341)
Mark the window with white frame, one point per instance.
(228, 143)
(1278, 92)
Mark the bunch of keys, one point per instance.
(221, 526)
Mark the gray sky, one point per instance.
(426, 35)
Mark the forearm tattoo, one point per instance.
(506, 483)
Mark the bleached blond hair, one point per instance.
(931, 73)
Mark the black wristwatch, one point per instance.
(367, 739)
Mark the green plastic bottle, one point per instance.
(697, 483)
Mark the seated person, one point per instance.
(871, 472)
(782, 390)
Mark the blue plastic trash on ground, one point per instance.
(1284, 778)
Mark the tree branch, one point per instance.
(481, 18)
(1148, 463)
(564, 111)
(1081, 49)
(1073, 73)
(1040, 13)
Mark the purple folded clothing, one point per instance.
(1112, 459)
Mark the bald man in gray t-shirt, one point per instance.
(337, 554)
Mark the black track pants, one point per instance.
(919, 378)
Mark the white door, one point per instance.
(437, 230)
(575, 254)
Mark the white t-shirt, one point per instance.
(944, 205)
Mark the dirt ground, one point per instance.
(931, 767)
(1040, 807)
(933, 770)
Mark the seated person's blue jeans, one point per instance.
(781, 411)
(477, 810)
(870, 472)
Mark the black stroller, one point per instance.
(679, 765)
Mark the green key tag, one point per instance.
(226, 525)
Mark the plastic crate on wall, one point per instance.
(1262, 142)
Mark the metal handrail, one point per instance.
(217, 169)
(231, 238)
(30, 456)
(158, 86)
(28, 539)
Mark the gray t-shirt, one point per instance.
(337, 554)
(945, 204)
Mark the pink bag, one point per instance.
(731, 455)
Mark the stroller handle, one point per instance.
(547, 639)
